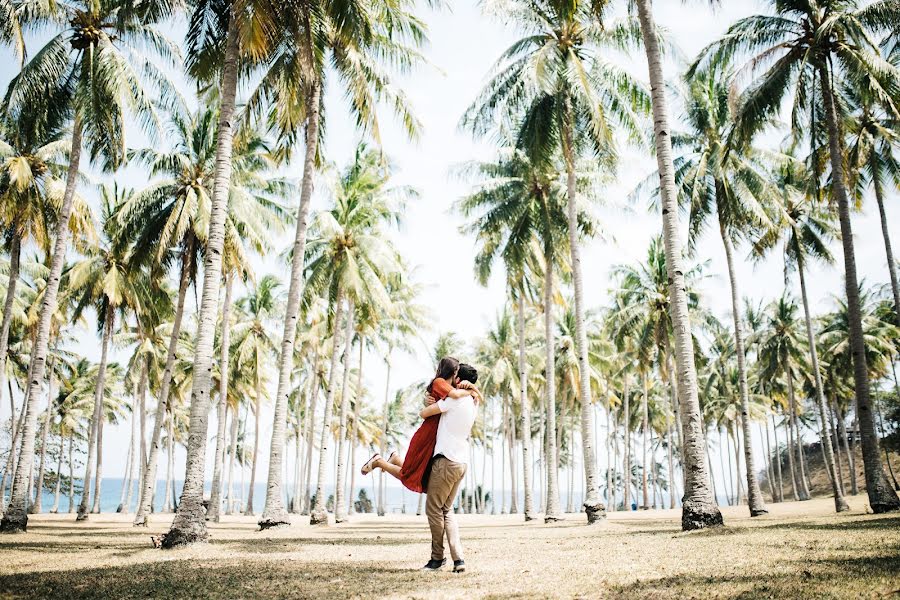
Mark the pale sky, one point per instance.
(464, 45)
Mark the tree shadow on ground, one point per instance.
(284, 544)
(844, 524)
(873, 576)
(232, 578)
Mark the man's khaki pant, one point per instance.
(443, 484)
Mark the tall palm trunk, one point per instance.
(229, 498)
(551, 512)
(879, 197)
(71, 474)
(168, 505)
(353, 430)
(15, 253)
(840, 505)
(311, 432)
(134, 461)
(37, 507)
(190, 520)
(800, 481)
(98, 474)
(626, 465)
(274, 513)
(593, 506)
(318, 515)
(215, 495)
(755, 499)
(848, 448)
(882, 498)
(256, 418)
(97, 416)
(768, 461)
(699, 509)
(671, 461)
(513, 472)
(645, 426)
(15, 518)
(340, 503)
(148, 483)
(126, 481)
(59, 460)
(142, 409)
(524, 412)
(838, 462)
(795, 484)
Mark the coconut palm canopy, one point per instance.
(237, 237)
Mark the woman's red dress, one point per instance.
(421, 446)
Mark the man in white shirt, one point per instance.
(448, 467)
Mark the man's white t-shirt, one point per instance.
(454, 428)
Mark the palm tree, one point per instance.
(805, 49)
(699, 509)
(359, 40)
(102, 77)
(806, 230)
(563, 99)
(108, 280)
(254, 346)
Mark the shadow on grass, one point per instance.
(873, 576)
(859, 523)
(284, 544)
(224, 579)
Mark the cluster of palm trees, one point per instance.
(652, 359)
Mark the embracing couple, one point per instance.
(438, 453)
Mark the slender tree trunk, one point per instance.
(142, 408)
(795, 484)
(126, 481)
(626, 465)
(737, 466)
(274, 513)
(37, 507)
(551, 512)
(503, 442)
(892, 264)
(98, 476)
(215, 495)
(525, 411)
(513, 471)
(16, 516)
(353, 430)
(318, 515)
(168, 505)
(134, 461)
(148, 483)
(671, 460)
(699, 508)
(769, 477)
(645, 425)
(340, 502)
(97, 416)
(311, 436)
(593, 507)
(882, 498)
(15, 253)
(59, 460)
(71, 474)
(248, 510)
(838, 466)
(232, 455)
(777, 457)
(755, 499)
(840, 504)
(725, 457)
(190, 519)
(802, 489)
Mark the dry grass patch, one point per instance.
(801, 550)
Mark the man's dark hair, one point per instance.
(467, 373)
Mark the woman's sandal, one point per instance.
(368, 468)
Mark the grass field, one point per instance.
(800, 550)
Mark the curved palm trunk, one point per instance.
(755, 499)
(215, 497)
(257, 405)
(274, 513)
(96, 418)
(148, 482)
(340, 503)
(525, 413)
(879, 197)
(59, 460)
(798, 473)
(882, 498)
(593, 506)
(699, 509)
(551, 510)
(840, 505)
(37, 507)
(15, 518)
(318, 515)
(15, 253)
(190, 520)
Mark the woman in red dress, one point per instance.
(411, 470)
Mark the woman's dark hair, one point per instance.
(447, 368)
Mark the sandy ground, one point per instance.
(799, 550)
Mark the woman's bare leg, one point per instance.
(396, 459)
(388, 467)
